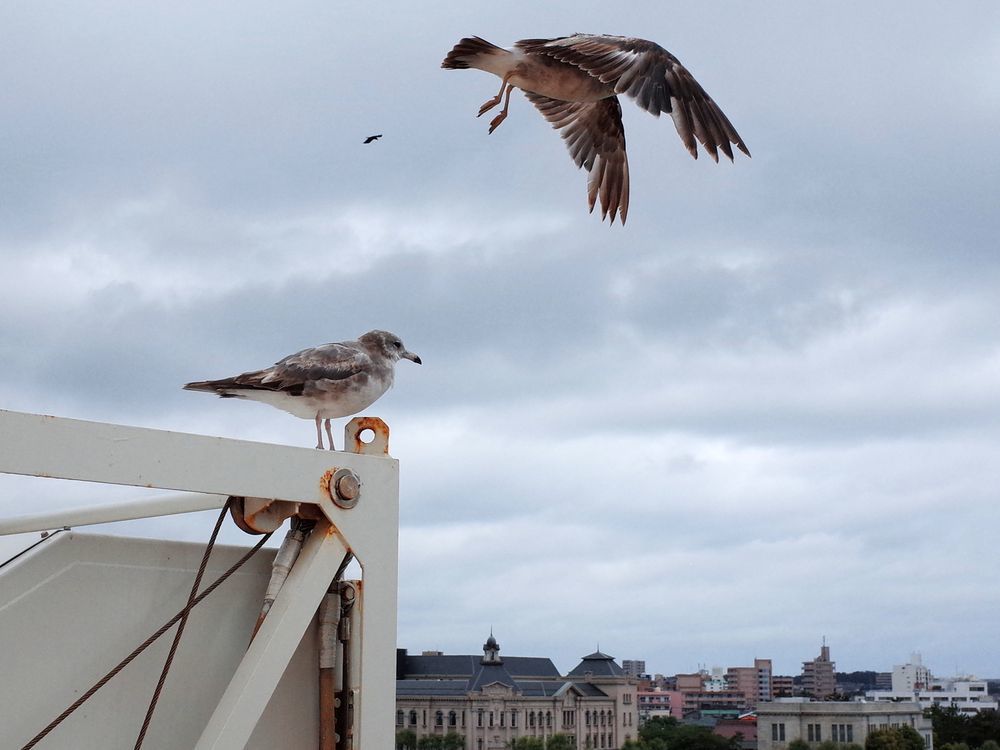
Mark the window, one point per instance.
(548, 718)
(842, 733)
(814, 732)
(778, 732)
(452, 719)
(513, 718)
(503, 717)
(479, 717)
(491, 718)
(400, 718)
(439, 719)
(413, 718)
(531, 719)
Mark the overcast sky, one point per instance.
(763, 412)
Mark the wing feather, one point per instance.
(654, 78)
(291, 374)
(595, 138)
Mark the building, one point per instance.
(913, 681)
(743, 728)
(785, 720)
(655, 702)
(819, 679)
(911, 676)
(966, 694)
(634, 668)
(754, 682)
(782, 686)
(705, 693)
(493, 699)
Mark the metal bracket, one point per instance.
(275, 482)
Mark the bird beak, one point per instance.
(412, 357)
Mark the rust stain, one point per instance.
(377, 426)
(236, 507)
(324, 482)
(267, 516)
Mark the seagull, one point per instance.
(321, 383)
(574, 82)
(371, 138)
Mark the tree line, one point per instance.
(954, 730)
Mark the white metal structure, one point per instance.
(206, 470)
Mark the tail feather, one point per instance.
(467, 50)
(212, 386)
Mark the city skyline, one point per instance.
(708, 665)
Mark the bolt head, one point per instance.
(348, 487)
(345, 488)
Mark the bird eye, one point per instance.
(398, 344)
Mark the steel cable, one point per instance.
(145, 644)
(180, 627)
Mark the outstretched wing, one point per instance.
(596, 140)
(654, 78)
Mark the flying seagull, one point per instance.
(325, 382)
(372, 138)
(574, 82)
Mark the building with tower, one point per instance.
(494, 699)
(819, 679)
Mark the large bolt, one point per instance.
(345, 488)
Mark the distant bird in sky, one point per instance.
(574, 81)
(322, 383)
(372, 138)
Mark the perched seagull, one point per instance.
(325, 382)
(372, 138)
(574, 82)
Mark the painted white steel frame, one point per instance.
(207, 470)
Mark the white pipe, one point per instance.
(161, 505)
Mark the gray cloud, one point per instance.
(763, 412)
